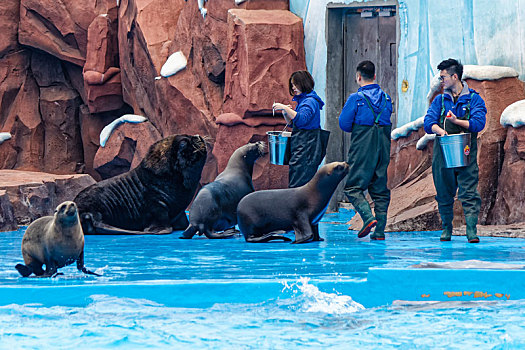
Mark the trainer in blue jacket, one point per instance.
(459, 109)
(308, 141)
(366, 115)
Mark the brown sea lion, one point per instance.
(261, 214)
(54, 241)
(214, 209)
(150, 199)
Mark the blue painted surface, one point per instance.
(201, 272)
(163, 292)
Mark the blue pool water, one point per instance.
(160, 291)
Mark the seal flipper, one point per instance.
(225, 234)
(24, 270)
(267, 238)
(87, 272)
(316, 238)
(81, 267)
(104, 229)
(303, 230)
(189, 232)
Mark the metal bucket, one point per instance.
(277, 142)
(456, 149)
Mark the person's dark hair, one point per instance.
(367, 69)
(452, 67)
(302, 80)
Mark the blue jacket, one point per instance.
(356, 109)
(308, 110)
(478, 111)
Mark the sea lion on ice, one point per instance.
(214, 209)
(54, 241)
(260, 214)
(150, 199)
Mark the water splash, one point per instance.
(311, 299)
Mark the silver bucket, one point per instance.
(277, 141)
(456, 149)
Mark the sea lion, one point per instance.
(261, 214)
(215, 207)
(54, 241)
(150, 199)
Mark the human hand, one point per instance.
(279, 106)
(451, 117)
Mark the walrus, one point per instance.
(260, 214)
(214, 209)
(150, 199)
(54, 241)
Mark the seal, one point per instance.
(150, 199)
(54, 241)
(261, 214)
(214, 209)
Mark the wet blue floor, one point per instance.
(199, 283)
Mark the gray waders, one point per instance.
(448, 180)
(368, 157)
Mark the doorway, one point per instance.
(355, 33)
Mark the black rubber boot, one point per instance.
(446, 223)
(369, 221)
(446, 234)
(379, 232)
(472, 230)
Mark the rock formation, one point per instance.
(68, 69)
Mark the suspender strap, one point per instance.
(468, 107)
(376, 121)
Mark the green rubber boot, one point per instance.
(369, 221)
(379, 232)
(446, 234)
(472, 230)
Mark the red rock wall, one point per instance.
(509, 206)
(498, 94)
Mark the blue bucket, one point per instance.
(277, 142)
(456, 149)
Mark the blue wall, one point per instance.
(484, 32)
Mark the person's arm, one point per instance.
(478, 114)
(431, 121)
(347, 116)
(288, 113)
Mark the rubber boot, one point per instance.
(472, 231)
(379, 232)
(363, 208)
(446, 223)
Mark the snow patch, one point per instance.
(422, 142)
(175, 63)
(513, 115)
(4, 136)
(406, 129)
(488, 72)
(203, 11)
(435, 86)
(126, 118)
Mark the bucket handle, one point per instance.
(273, 114)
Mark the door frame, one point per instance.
(335, 99)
